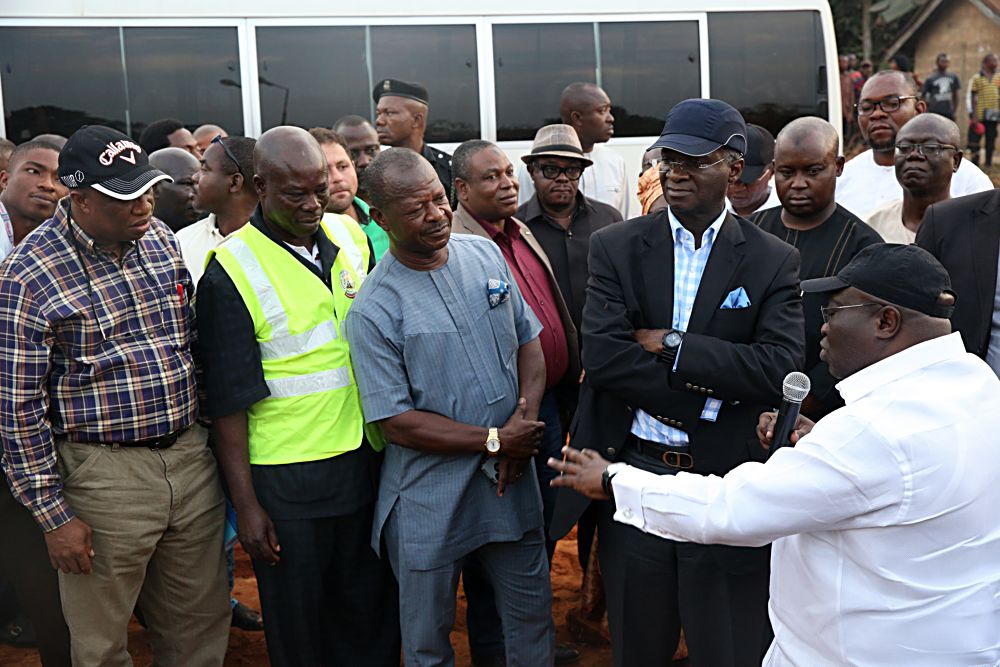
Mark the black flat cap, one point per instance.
(397, 88)
(760, 152)
(903, 275)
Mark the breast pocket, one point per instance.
(734, 324)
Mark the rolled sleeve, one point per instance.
(29, 457)
(379, 369)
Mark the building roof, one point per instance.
(989, 8)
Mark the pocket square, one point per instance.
(497, 291)
(736, 299)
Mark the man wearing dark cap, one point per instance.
(401, 120)
(99, 413)
(883, 514)
(752, 191)
(692, 320)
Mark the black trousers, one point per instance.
(653, 585)
(24, 561)
(331, 601)
(990, 137)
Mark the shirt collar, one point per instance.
(361, 208)
(510, 229)
(533, 208)
(901, 364)
(678, 231)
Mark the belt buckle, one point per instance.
(681, 460)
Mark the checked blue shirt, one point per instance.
(689, 265)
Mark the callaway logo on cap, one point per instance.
(108, 161)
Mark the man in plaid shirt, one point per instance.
(98, 413)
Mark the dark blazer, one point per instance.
(462, 222)
(964, 235)
(739, 356)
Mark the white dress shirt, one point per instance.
(196, 240)
(885, 518)
(865, 185)
(605, 180)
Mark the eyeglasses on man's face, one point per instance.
(888, 104)
(551, 172)
(930, 150)
(829, 311)
(687, 166)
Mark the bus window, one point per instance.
(442, 58)
(311, 76)
(768, 65)
(532, 63)
(178, 73)
(45, 91)
(646, 68)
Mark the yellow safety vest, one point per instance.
(314, 410)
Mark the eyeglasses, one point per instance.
(927, 150)
(828, 311)
(552, 172)
(888, 105)
(229, 154)
(370, 151)
(687, 166)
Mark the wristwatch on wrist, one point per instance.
(609, 473)
(671, 345)
(493, 442)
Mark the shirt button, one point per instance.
(627, 512)
(569, 234)
(612, 451)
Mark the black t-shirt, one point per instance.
(825, 250)
(939, 90)
(234, 380)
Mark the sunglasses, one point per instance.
(229, 154)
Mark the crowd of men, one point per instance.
(362, 358)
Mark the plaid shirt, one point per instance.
(689, 266)
(91, 347)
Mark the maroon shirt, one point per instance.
(533, 281)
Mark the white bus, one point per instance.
(493, 72)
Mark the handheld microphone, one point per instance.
(794, 390)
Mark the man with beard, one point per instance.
(888, 100)
(344, 189)
(807, 162)
(587, 108)
(927, 155)
(175, 200)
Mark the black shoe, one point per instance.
(247, 619)
(489, 661)
(566, 654)
(19, 633)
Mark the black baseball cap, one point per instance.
(760, 153)
(903, 275)
(394, 87)
(108, 161)
(697, 127)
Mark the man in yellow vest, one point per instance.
(287, 418)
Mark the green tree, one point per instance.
(867, 27)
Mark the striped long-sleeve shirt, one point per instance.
(93, 347)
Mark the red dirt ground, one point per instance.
(247, 649)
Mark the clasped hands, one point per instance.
(519, 441)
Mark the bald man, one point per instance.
(889, 99)
(287, 417)
(175, 200)
(807, 162)
(587, 108)
(927, 155)
(205, 133)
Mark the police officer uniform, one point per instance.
(440, 160)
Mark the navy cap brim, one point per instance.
(133, 184)
(751, 172)
(823, 285)
(686, 144)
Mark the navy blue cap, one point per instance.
(696, 127)
(395, 87)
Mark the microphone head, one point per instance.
(796, 387)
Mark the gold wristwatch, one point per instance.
(493, 442)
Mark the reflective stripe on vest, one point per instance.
(282, 343)
(346, 243)
(313, 383)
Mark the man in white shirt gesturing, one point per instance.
(883, 516)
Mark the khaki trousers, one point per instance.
(157, 520)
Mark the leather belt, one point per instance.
(163, 442)
(672, 457)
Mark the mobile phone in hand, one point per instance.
(491, 468)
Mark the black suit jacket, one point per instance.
(739, 356)
(964, 235)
